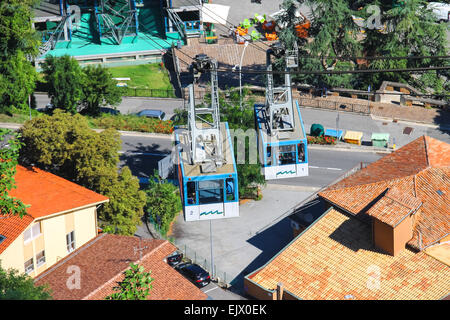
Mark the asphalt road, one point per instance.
(142, 154)
(132, 105)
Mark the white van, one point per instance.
(441, 11)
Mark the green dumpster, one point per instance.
(317, 130)
(380, 140)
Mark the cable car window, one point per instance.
(301, 152)
(269, 156)
(210, 191)
(229, 188)
(286, 154)
(191, 199)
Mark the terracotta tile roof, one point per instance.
(419, 172)
(226, 54)
(102, 261)
(394, 206)
(335, 257)
(438, 152)
(46, 194)
(11, 227)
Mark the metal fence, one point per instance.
(334, 105)
(155, 93)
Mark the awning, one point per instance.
(215, 13)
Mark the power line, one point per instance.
(335, 71)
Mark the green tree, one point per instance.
(9, 154)
(18, 43)
(64, 78)
(136, 284)
(16, 286)
(403, 28)
(163, 202)
(65, 145)
(126, 203)
(99, 89)
(409, 30)
(16, 29)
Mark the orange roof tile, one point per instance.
(11, 227)
(102, 262)
(394, 206)
(336, 257)
(417, 172)
(48, 194)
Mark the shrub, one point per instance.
(133, 123)
(321, 140)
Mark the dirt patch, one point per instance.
(170, 232)
(243, 201)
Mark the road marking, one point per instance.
(314, 167)
(210, 289)
(144, 153)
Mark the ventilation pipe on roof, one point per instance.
(280, 290)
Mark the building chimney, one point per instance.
(280, 290)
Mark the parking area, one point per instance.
(240, 245)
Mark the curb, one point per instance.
(420, 123)
(141, 134)
(349, 148)
(290, 187)
(7, 125)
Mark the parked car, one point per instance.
(109, 110)
(151, 113)
(440, 10)
(175, 259)
(194, 273)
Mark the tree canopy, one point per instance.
(9, 154)
(163, 202)
(136, 284)
(65, 145)
(16, 286)
(99, 89)
(351, 29)
(64, 79)
(18, 44)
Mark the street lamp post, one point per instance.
(240, 74)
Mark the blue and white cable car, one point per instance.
(206, 165)
(281, 138)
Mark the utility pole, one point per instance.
(240, 74)
(29, 104)
(211, 240)
(337, 126)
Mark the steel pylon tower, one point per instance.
(115, 19)
(205, 135)
(279, 107)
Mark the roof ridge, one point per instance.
(372, 183)
(121, 272)
(426, 149)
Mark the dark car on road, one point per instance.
(194, 273)
(175, 259)
(150, 113)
